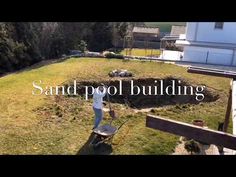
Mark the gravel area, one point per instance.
(205, 149)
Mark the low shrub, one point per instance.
(113, 55)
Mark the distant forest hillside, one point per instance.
(25, 43)
(164, 26)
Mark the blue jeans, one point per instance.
(98, 117)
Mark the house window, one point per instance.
(219, 25)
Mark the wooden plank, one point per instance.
(191, 131)
(234, 106)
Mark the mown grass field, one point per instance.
(142, 52)
(62, 125)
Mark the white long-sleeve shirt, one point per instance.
(98, 98)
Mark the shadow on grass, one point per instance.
(102, 149)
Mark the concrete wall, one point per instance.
(191, 30)
(208, 55)
(234, 59)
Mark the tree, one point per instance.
(120, 30)
(11, 52)
(25, 43)
(101, 37)
(46, 39)
(29, 33)
(73, 32)
(82, 46)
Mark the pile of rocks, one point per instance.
(120, 73)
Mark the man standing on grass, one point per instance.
(98, 95)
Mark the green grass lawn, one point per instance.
(142, 52)
(62, 125)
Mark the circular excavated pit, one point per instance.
(153, 98)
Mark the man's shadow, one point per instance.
(102, 149)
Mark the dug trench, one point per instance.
(149, 98)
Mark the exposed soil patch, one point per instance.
(150, 94)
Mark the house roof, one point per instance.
(177, 30)
(145, 30)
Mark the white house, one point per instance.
(210, 42)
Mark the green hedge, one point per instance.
(113, 55)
